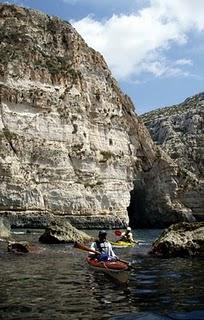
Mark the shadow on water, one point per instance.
(56, 283)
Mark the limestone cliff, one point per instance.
(179, 130)
(71, 144)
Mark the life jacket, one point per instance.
(101, 246)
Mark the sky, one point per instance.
(154, 48)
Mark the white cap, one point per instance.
(128, 228)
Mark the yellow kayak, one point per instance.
(122, 244)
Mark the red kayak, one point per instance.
(115, 269)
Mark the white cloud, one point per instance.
(183, 62)
(136, 43)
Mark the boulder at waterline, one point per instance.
(181, 239)
(21, 247)
(61, 231)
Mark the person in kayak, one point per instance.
(127, 236)
(104, 247)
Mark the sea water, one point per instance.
(55, 283)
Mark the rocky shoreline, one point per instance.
(179, 240)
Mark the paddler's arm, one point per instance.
(111, 252)
(93, 247)
(131, 238)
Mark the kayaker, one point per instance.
(127, 236)
(104, 247)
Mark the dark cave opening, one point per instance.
(136, 209)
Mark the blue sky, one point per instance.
(154, 48)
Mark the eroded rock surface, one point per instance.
(179, 130)
(63, 232)
(182, 239)
(69, 141)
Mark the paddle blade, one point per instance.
(118, 233)
(81, 246)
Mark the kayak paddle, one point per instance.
(118, 233)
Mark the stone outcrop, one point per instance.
(20, 247)
(70, 143)
(179, 130)
(60, 231)
(155, 199)
(5, 230)
(182, 239)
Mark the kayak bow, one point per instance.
(115, 269)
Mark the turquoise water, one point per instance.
(57, 284)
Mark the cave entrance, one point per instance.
(136, 209)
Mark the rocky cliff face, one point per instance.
(71, 144)
(68, 142)
(179, 130)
